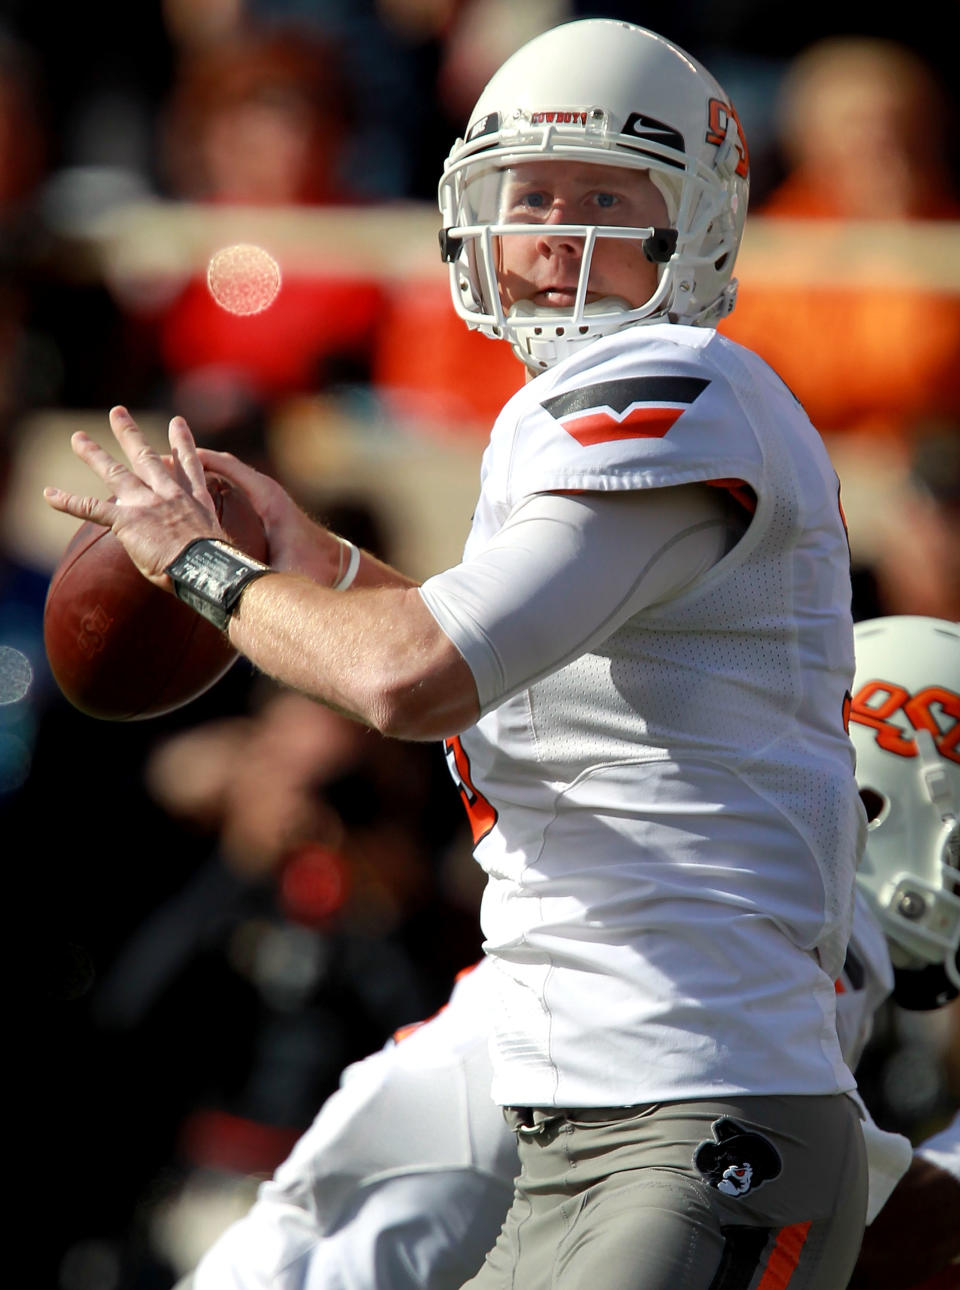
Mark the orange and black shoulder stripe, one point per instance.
(639, 407)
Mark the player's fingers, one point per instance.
(267, 496)
(145, 462)
(181, 437)
(186, 461)
(82, 508)
(92, 454)
(231, 467)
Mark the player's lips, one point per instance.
(563, 297)
(556, 295)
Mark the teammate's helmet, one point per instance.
(604, 91)
(905, 725)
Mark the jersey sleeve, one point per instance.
(649, 418)
(555, 580)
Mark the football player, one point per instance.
(642, 669)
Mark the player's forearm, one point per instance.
(303, 546)
(377, 655)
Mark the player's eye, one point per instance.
(527, 203)
(605, 200)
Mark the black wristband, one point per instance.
(210, 576)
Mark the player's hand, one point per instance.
(296, 543)
(157, 505)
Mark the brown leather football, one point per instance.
(120, 648)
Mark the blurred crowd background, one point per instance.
(222, 907)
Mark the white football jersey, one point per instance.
(670, 823)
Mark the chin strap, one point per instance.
(540, 341)
(719, 308)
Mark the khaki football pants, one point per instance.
(752, 1193)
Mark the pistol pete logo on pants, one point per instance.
(739, 1161)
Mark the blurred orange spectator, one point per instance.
(865, 130)
(432, 371)
(264, 118)
(260, 120)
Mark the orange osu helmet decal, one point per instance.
(720, 115)
(878, 703)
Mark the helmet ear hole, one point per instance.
(874, 804)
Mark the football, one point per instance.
(120, 648)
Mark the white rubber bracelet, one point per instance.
(353, 565)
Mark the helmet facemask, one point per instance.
(474, 244)
(920, 911)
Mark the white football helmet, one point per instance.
(604, 91)
(905, 725)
